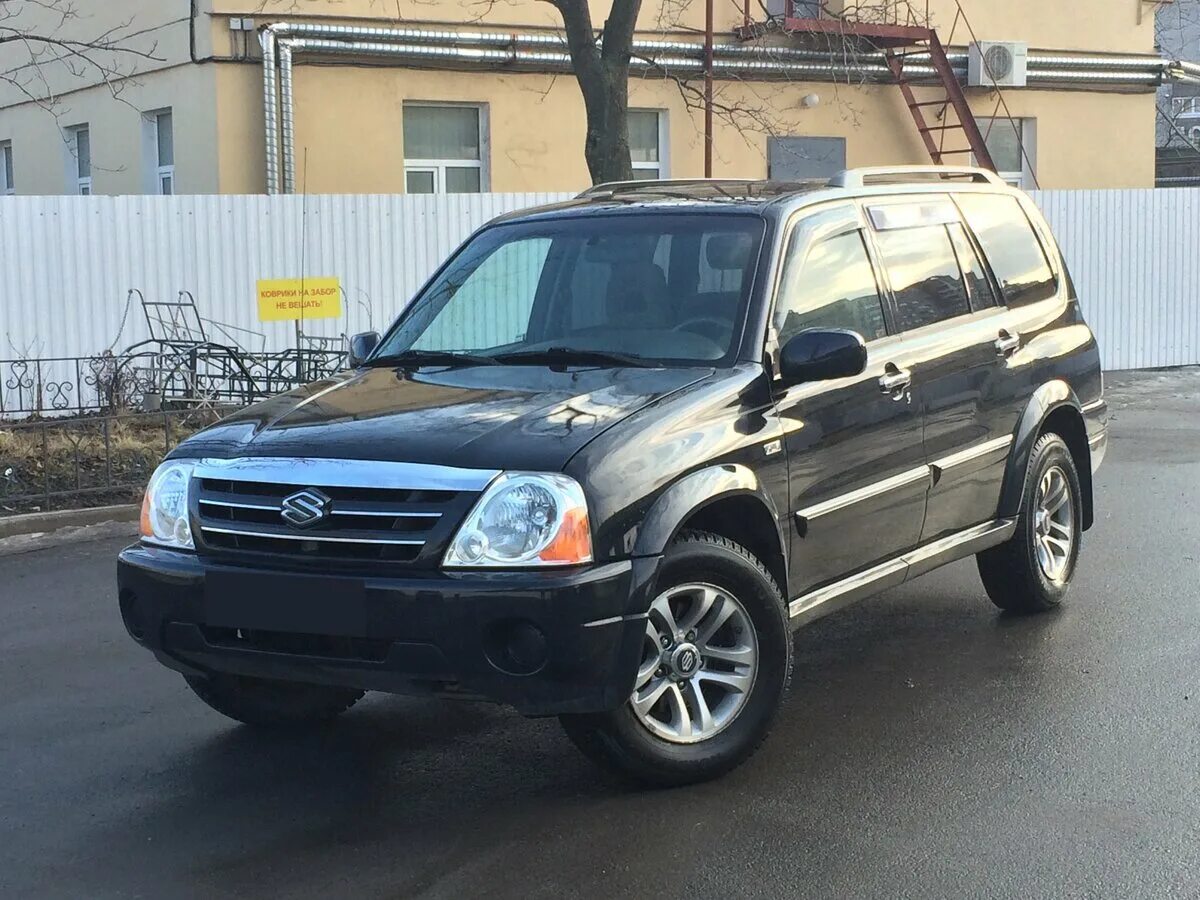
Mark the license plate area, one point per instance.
(296, 604)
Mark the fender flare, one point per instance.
(1048, 398)
(692, 493)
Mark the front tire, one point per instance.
(272, 704)
(716, 663)
(1032, 571)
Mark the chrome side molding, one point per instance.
(894, 572)
(865, 493)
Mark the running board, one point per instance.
(894, 572)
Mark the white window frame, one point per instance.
(80, 184)
(439, 166)
(662, 168)
(1024, 177)
(7, 187)
(1185, 107)
(162, 172)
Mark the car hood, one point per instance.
(493, 417)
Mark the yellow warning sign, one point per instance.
(288, 299)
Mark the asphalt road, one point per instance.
(930, 747)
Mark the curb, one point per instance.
(39, 523)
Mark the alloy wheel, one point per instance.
(1054, 524)
(699, 663)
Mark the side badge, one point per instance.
(770, 448)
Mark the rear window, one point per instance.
(924, 273)
(1011, 246)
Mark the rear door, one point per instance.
(959, 345)
(858, 478)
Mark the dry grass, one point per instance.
(86, 461)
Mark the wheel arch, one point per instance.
(728, 500)
(1052, 408)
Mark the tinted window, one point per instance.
(1009, 242)
(924, 273)
(980, 289)
(835, 287)
(670, 288)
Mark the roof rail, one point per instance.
(851, 178)
(612, 187)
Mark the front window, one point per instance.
(645, 289)
(443, 149)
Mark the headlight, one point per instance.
(525, 519)
(165, 507)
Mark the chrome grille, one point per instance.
(388, 512)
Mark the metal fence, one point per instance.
(48, 464)
(67, 263)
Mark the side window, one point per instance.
(833, 287)
(923, 269)
(1011, 246)
(492, 305)
(978, 286)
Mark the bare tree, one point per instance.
(45, 44)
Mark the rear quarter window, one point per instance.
(1012, 247)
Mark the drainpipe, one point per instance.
(289, 118)
(708, 88)
(266, 39)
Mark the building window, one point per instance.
(7, 186)
(1012, 144)
(648, 143)
(164, 152)
(1185, 107)
(444, 149)
(79, 160)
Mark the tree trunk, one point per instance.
(607, 145)
(603, 76)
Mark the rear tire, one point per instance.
(272, 704)
(1032, 571)
(713, 708)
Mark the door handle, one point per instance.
(894, 381)
(1007, 344)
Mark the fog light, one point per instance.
(516, 647)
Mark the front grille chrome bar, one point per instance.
(310, 536)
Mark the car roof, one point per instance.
(761, 197)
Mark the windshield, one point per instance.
(662, 289)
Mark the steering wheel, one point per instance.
(720, 327)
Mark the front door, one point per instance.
(857, 472)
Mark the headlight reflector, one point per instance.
(525, 519)
(165, 506)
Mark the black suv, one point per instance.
(617, 448)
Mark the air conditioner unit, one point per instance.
(997, 64)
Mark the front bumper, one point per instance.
(545, 642)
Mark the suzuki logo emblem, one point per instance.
(306, 508)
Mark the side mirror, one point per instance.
(361, 346)
(822, 354)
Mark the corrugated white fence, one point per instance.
(67, 263)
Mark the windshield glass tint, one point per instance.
(668, 288)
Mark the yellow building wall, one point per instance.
(1093, 25)
(120, 161)
(350, 121)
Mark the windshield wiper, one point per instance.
(566, 356)
(414, 358)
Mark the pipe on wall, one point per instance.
(289, 121)
(547, 52)
(266, 39)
